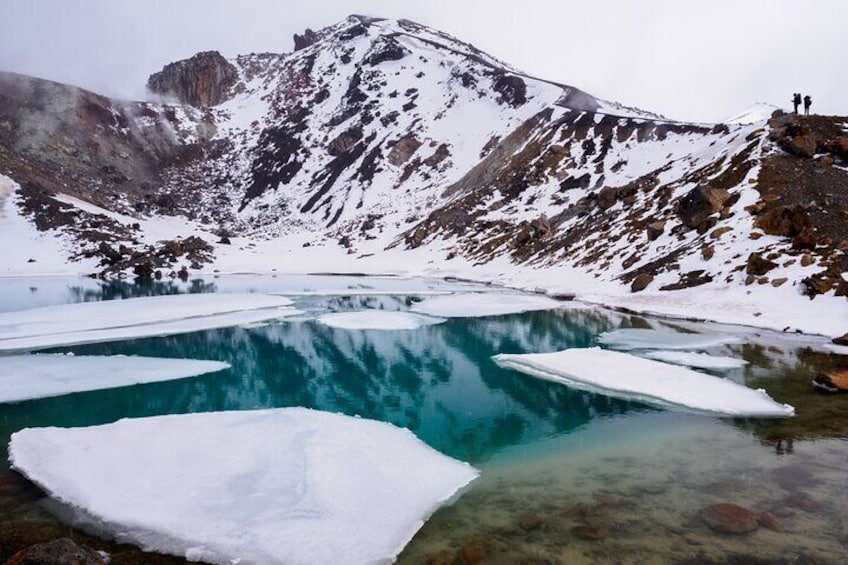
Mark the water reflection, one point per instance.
(438, 381)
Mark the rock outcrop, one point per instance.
(203, 80)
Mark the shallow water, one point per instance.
(559, 465)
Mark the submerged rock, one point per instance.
(729, 518)
(59, 552)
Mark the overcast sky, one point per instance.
(692, 60)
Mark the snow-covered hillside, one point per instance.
(384, 146)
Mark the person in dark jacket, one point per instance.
(796, 101)
(807, 103)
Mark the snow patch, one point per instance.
(631, 338)
(287, 485)
(626, 376)
(484, 304)
(91, 322)
(24, 377)
(696, 360)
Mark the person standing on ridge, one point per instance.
(807, 103)
(796, 101)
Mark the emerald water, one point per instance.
(567, 476)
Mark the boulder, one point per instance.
(758, 265)
(62, 551)
(512, 89)
(831, 381)
(403, 149)
(385, 49)
(700, 203)
(841, 340)
(607, 197)
(787, 221)
(801, 146)
(655, 229)
(641, 282)
(730, 518)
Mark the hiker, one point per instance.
(807, 103)
(796, 101)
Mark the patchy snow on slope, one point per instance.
(28, 251)
(24, 377)
(377, 320)
(110, 320)
(279, 486)
(695, 360)
(634, 338)
(484, 304)
(633, 378)
(756, 113)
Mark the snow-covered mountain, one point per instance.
(383, 138)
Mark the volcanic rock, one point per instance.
(801, 146)
(758, 265)
(699, 204)
(203, 80)
(787, 221)
(641, 282)
(308, 38)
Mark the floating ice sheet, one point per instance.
(287, 485)
(626, 376)
(90, 322)
(24, 377)
(697, 360)
(484, 304)
(631, 338)
(377, 320)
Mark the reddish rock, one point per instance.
(607, 197)
(801, 146)
(655, 229)
(805, 503)
(707, 252)
(699, 204)
(205, 79)
(787, 221)
(730, 518)
(758, 265)
(769, 520)
(532, 521)
(588, 532)
(641, 282)
(474, 552)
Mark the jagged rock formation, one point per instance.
(202, 80)
(386, 134)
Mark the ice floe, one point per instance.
(697, 360)
(24, 377)
(90, 322)
(287, 485)
(633, 338)
(377, 320)
(626, 376)
(484, 304)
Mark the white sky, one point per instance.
(700, 61)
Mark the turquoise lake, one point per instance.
(567, 476)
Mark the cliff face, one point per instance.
(203, 80)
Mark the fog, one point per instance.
(699, 62)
